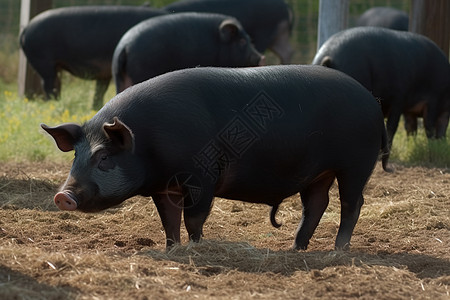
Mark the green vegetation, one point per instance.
(22, 139)
(418, 150)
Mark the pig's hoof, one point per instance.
(300, 247)
(345, 247)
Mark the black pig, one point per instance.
(386, 17)
(251, 134)
(407, 71)
(178, 41)
(80, 40)
(268, 22)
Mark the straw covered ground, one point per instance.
(400, 247)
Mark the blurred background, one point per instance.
(303, 39)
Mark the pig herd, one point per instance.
(196, 116)
(82, 40)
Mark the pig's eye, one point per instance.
(242, 42)
(105, 162)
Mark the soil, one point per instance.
(400, 246)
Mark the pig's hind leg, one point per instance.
(315, 200)
(351, 187)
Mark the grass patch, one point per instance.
(21, 138)
(420, 151)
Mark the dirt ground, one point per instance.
(400, 247)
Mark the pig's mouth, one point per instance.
(65, 200)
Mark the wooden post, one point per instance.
(29, 81)
(333, 15)
(432, 19)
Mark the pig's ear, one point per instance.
(120, 135)
(65, 135)
(327, 61)
(229, 30)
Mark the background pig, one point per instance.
(251, 134)
(386, 17)
(268, 22)
(407, 71)
(179, 41)
(80, 40)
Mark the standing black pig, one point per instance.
(386, 17)
(252, 134)
(80, 40)
(268, 22)
(178, 41)
(407, 71)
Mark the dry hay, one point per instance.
(400, 247)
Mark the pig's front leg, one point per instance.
(170, 215)
(196, 211)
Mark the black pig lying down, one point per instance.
(179, 41)
(80, 40)
(407, 71)
(252, 134)
(268, 22)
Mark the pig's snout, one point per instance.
(262, 61)
(65, 201)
